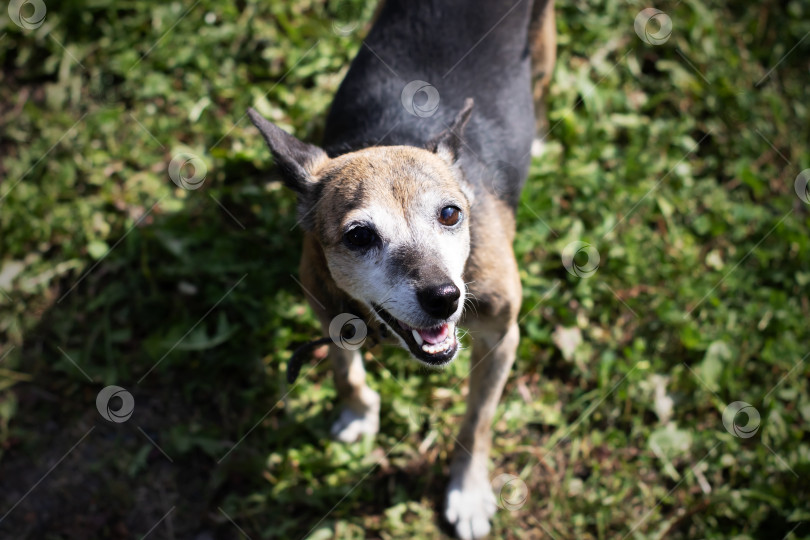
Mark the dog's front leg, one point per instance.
(361, 405)
(470, 502)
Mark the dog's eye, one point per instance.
(449, 216)
(359, 237)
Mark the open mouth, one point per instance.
(436, 345)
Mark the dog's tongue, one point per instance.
(435, 335)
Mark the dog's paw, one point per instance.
(351, 425)
(469, 508)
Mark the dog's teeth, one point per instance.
(438, 347)
(417, 337)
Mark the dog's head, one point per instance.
(393, 223)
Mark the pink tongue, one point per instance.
(435, 335)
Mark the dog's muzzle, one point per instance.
(436, 345)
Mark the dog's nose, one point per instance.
(439, 301)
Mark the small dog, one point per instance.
(409, 206)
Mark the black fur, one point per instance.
(440, 42)
(292, 156)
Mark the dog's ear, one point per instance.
(447, 144)
(297, 160)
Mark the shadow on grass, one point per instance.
(192, 313)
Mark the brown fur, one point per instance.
(543, 43)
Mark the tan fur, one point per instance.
(390, 176)
(495, 288)
(393, 177)
(543, 43)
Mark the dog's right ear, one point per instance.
(297, 160)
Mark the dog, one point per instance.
(408, 206)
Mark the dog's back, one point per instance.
(463, 49)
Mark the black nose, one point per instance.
(439, 301)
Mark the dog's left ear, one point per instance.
(296, 160)
(447, 144)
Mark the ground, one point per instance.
(674, 155)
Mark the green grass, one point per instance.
(675, 162)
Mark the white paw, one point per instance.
(351, 425)
(470, 508)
